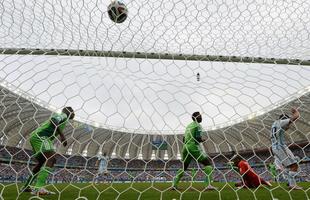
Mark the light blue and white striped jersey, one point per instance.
(103, 163)
(278, 131)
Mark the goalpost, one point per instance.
(134, 87)
(124, 54)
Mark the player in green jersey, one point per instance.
(273, 170)
(191, 150)
(42, 140)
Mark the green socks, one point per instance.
(42, 176)
(208, 170)
(194, 174)
(30, 180)
(179, 175)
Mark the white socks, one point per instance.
(291, 178)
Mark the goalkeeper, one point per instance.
(249, 177)
(191, 150)
(41, 141)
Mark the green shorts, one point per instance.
(193, 151)
(41, 145)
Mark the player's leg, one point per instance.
(280, 170)
(275, 176)
(96, 179)
(194, 173)
(44, 172)
(293, 172)
(99, 173)
(291, 163)
(198, 155)
(249, 181)
(262, 181)
(41, 160)
(239, 184)
(208, 170)
(180, 173)
(36, 144)
(252, 180)
(186, 159)
(48, 152)
(287, 159)
(273, 172)
(244, 183)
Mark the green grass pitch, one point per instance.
(150, 191)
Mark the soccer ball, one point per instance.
(117, 11)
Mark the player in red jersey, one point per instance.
(249, 178)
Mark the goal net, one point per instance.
(134, 87)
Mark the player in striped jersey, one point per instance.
(281, 150)
(102, 163)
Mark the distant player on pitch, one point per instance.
(191, 150)
(280, 149)
(249, 178)
(273, 171)
(42, 140)
(102, 162)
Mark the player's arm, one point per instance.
(57, 121)
(287, 122)
(97, 163)
(295, 115)
(230, 165)
(197, 134)
(243, 168)
(62, 138)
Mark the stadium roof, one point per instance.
(156, 95)
(152, 96)
(20, 116)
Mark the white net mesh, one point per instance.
(134, 86)
(258, 29)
